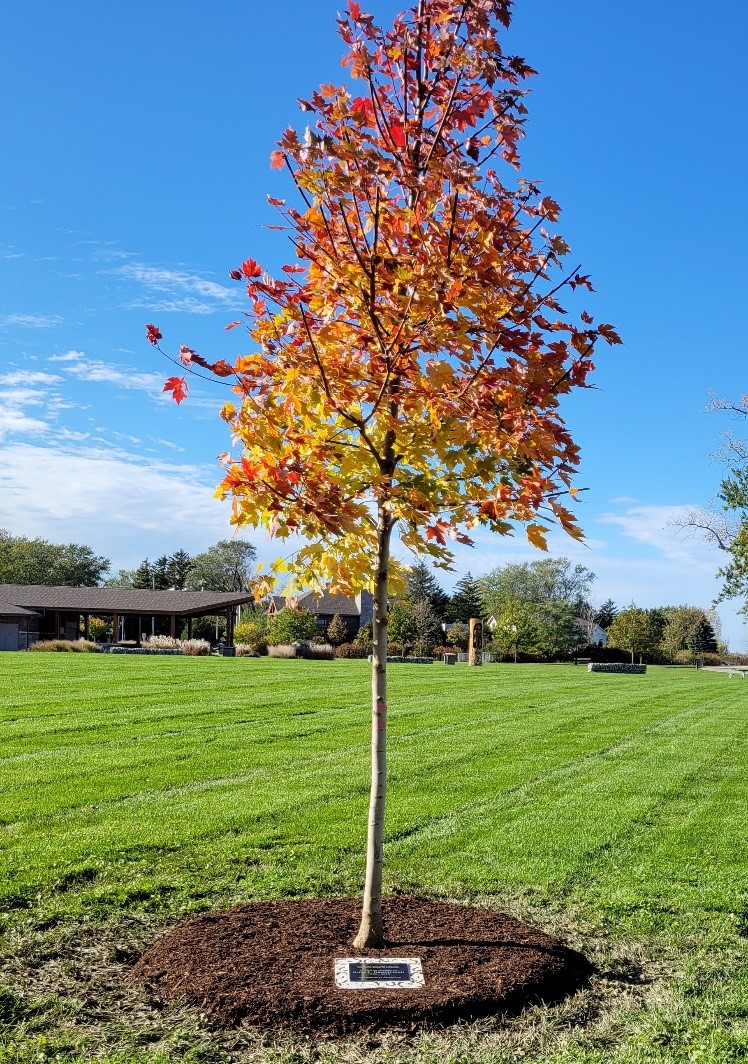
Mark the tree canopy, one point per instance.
(24, 560)
(541, 581)
(226, 566)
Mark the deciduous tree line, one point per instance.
(226, 566)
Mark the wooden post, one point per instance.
(173, 626)
(115, 628)
(475, 646)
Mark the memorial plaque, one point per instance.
(384, 973)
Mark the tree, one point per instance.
(402, 625)
(408, 366)
(545, 580)
(515, 626)
(424, 587)
(724, 523)
(681, 622)
(557, 633)
(337, 631)
(607, 614)
(180, 566)
(38, 561)
(291, 625)
(636, 630)
(465, 601)
(703, 639)
(426, 624)
(223, 567)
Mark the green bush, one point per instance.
(252, 634)
(288, 626)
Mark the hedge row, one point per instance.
(616, 666)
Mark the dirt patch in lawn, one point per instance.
(271, 965)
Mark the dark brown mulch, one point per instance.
(270, 964)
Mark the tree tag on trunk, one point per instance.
(378, 973)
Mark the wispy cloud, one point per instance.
(655, 526)
(69, 356)
(32, 321)
(186, 292)
(76, 364)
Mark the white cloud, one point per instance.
(69, 356)
(32, 321)
(14, 422)
(27, 378)
(656, 527)
(75, 364)
(121, 504)
(187, 292)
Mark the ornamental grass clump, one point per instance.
(196, 647)
(63, 646)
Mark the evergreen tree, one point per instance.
(465, 602)
(703, 639)
(180, 565)
(607, 614)
(423, 587)
(143, 576)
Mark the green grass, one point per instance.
(609, 809)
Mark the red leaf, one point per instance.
(276, 202)
(587, 318)
(221, 368)
(398, 134)
(153, 335)
(251, 269)
(186, 355)
(608, 333)
(293, 269)
(363, 109)
(235, 275)
(178, 387)
(354, 9)
(231, 325)
(277, 160)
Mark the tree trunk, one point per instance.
(371, 931)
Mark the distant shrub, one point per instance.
(363, 638)
(282, 650)
(65, 646)
(196, 647)
(735, 659)
(245, 651)
(316, 651)
(289, 625)
(161, 642)
(252, 634)
(439, 652)
(351, 650)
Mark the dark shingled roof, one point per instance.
(8, 609)
(326, 603)
(116, 600)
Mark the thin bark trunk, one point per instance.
(371, 931)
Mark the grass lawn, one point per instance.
(610, 810)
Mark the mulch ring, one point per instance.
(271, 965)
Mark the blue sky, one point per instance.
(135, 144)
